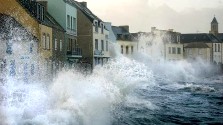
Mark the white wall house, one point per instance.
(127, 42)
(161, 45)
(217, 53)
(174, 52)
(127, 48)
(101, 43)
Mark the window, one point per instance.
(102, 28)
(215, 47)
(127, 50)
(131, 49)
(44, 41)
(71, 23)
(96, 26)
(178, 38)
(48, 41)
(169, 50)
(173, 50)
(102, 45)
(96, 44)
(178, 50)
(39, 12)
(42, 13)
(122, 49)
(12, 68)
(61, 45)
(106, 45)
(69, 46)
(219, 48)
(31, 48)
(74, 24)
(68, 21)
(9, 47)
(55, 44)
(32, 69)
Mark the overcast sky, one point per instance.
(185, 16)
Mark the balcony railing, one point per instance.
(98, 52)
(75, 52)
(71, 31)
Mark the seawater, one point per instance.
(123, 92)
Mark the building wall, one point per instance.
(101, 36)
(25, 63)
(18, 52)
(171, 55)
(222, 53)
(72, 12)
(111, 36)
(192, 54)
(210, 45)
(15, 10)
(45, 53)
(57, 8)
(58, 54)
(85, 37)
(217, 53)
(100, 56)
(129, 44)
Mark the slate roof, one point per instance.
(119, 30)
(48, 20)
(122, 34)
(196, 45)
(91, 16)
(220, 36)
(199, 37)
(52, 22)
(214, 20)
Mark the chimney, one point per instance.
(84, 4)
(153, 29)
(171, 30)
(126, 28)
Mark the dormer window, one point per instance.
(178, 39)
(96, 25)
(102, 28)
(40, 12)
(43, 13)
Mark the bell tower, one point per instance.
(214, 26)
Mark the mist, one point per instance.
(185, 16)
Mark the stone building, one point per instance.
(18, 49)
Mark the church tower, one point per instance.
(214, 26)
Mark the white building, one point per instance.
(161, 45)
(101, 44)
(127, 42)
(210, 40)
